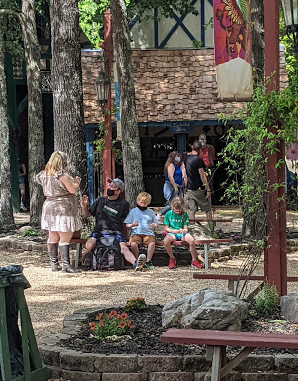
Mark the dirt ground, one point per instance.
(52, 296)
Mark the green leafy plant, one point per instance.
(112, 324)
(99, 146)
(197, 44)
(266, 301)
(135, 304)
(29, 233)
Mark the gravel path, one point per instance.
(54, 295)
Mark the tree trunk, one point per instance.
(35, 109)
(133, 173)
(6, 215)
(69, 135)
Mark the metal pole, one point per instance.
(108, 162)
(275, 261)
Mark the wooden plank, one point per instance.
(235, 361)
(227, 277)
(198, 220)
(238, 339)
(216, 364)
(4, 350)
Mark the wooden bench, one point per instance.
(217, 342)
(198, 220)
(233, 279)
(205, 242)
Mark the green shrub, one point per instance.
(266, 301)
(30, 232)
(135, 304)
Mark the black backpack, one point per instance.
(107, 255)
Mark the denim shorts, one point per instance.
(117, 235)
(178, 236)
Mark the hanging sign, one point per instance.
(232, 48)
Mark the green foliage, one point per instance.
(135, 304)
(112, 324)
(30, 233)
(11, 27)
(266, 301)
(196, 44)
(99, 146)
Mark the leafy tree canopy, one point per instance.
(91, 13)
(11, 26)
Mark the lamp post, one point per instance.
(103, 91)
(290, 11)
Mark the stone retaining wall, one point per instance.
(217, 254)
(77, 366)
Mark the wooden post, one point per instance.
(108, 162)
(275, 265)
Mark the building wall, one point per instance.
(171, 85)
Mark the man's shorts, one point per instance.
(178, 236)
(142, 239)
(197, 199)
(117, 235)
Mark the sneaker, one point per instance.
(159, 218)
(149, 265)
(139, 263)
(172, 264)
(23, 208)
(196, 264)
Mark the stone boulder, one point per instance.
(289, 307)
(206, 309)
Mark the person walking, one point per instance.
(60, 209)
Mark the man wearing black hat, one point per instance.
(109, 213)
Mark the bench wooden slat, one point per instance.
(213, 219)
(224, 338)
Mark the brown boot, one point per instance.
(64, 252)
(53, 254)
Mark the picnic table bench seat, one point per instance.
(217, 342)
(205, 242)
(234, 278)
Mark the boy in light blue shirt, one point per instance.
(142, 220)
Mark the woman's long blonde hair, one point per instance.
(57, 162)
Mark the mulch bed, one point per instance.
(144, 339)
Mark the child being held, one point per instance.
(142, 221)
(176, 225)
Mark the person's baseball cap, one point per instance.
(119, 183)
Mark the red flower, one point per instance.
(102, 324)
(123, 315)
(99, 316)
(92, 326)
(112, 313)
(122, 324)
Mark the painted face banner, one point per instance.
(232, 48)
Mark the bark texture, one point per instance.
(6, 215)
(35, 109)
(132, 159)
(69, 135)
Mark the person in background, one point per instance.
(198, 191)
(207, 154)
(142, 220)
(174, 172)
(22, 175)
(60, 209)
(176, 225)
(109, 213)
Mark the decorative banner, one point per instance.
(232, 48)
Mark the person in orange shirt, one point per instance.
(207, 152)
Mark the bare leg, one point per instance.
(135, 249)
(167, 244)
(53, 237)
(90, 244)
(192, 246)
(150, 251)
(128, 255)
